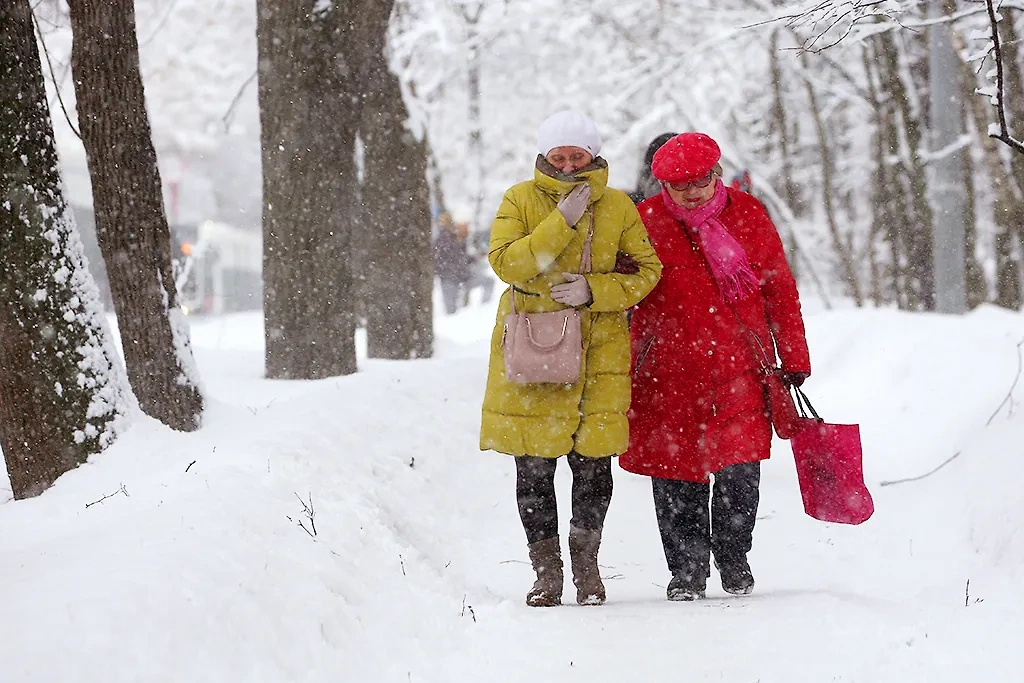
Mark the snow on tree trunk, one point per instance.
(131, 226)
(63, 396)
(947, 173)
(309, 64)
(396, 205)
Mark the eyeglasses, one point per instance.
(699, 183)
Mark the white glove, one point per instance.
(574, 204)
(575, 292)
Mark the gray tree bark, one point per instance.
(842, 250)
(396, 205)
(309, 66)
(62, 393)
(475, 176)
(947, 174)
(128, 202)
(915, 231)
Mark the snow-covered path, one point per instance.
(418, 569)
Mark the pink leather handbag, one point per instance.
(546, 347)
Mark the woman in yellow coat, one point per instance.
(537, 242)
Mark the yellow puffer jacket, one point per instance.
(531, 246)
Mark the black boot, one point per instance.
(683, 588)
(736, 576)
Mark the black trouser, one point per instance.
(690, 534)
(535, 492)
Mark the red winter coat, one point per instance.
(698, 404)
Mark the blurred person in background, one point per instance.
(647, 185)
(742, 181)
(725, 305)
(537, 243)
(451, 262)
(478, 270)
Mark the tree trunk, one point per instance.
(947, 174)
(827, 168)
(916, 231)
(63, 396)
(1014, 91)
(781, 126)
(309, 65)
(128, 202)
(880, 190)
(396, 202)
(973, 115)
(475, 153)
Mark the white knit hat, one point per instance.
(568, 128)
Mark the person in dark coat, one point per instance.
(451, 261)
(726, 304)
(646, 185)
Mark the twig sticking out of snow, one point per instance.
(467, 607)
(921, 476)
(1009, 394)
(120, 490)
(967, 596)
(310, 513)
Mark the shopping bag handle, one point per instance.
(803, 404)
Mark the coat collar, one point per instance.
(556, 184)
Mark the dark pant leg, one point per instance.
(450, 295)
(682, 511)
(734, 511)
(591, 491)
(535, 493)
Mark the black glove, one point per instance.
(794, 379)
(626, 264)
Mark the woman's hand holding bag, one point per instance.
(548, 347)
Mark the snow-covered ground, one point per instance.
(204, 566)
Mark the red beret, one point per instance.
(686, 157)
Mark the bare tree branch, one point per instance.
(53, 77)
(1004, 131)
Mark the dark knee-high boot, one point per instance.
(583, 547)
(591, 495)
(546, 557)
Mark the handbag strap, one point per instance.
(803, 404)
(755, 342)
(586, 259)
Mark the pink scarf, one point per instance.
(729, 263)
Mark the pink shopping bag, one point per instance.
(830, 471)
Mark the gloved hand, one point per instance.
(574, 204)
(626, 264)
(794, 379)
(575, 292)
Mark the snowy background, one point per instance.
(198, 567)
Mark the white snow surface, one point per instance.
(196, 568)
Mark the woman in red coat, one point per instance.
(726, 303)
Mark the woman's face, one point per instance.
(692, 195)
(568, 160)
